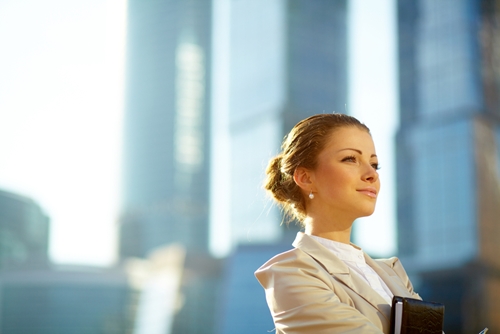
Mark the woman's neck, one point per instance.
(335, 230)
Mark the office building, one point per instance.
(66, 299)
(242, 302)
(166, 169)
(24, 232)
(166, 153)
(448, 154)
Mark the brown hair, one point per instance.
(300, 148)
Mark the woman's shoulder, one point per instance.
(287, 258)
(390, 262)
(294, 262)
(394, 264)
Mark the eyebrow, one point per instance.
(356, 150)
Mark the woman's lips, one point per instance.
(369, 191)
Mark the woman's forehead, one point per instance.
(346, 137)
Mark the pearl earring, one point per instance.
(311, 195)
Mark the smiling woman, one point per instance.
(348, 161)
(326, 177)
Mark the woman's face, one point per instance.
(345, 180)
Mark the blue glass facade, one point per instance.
(24, 232)
(447, 156)
(445, 234)
(447, 59)
(243, 308)
(256, 97)
(65, 301)
(200, 290)
(316, 61)
(166, 151)
(166, 167)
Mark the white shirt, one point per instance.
(354, 258)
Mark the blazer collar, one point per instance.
(342, 273)
(391, 279)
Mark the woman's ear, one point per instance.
(303, 178)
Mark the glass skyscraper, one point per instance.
(66, 299)
(24, 232)
(166, 169)
(166, 149)
(37, 296)
(448, 154)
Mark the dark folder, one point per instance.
(410, 316)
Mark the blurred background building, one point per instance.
(448, 154)
(167, 144)
(66, 299)
(166, 170)
(24, 232)
(37, 296)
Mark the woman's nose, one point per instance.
(370, 174)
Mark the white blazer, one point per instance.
(310, 290)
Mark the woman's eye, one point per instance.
(376, 166)
(350, 158)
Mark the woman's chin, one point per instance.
(366, 213)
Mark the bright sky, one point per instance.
(61, 105)
(61, 93)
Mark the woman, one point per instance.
(326, 177)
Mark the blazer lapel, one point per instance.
(341, 272)
(393, 282)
